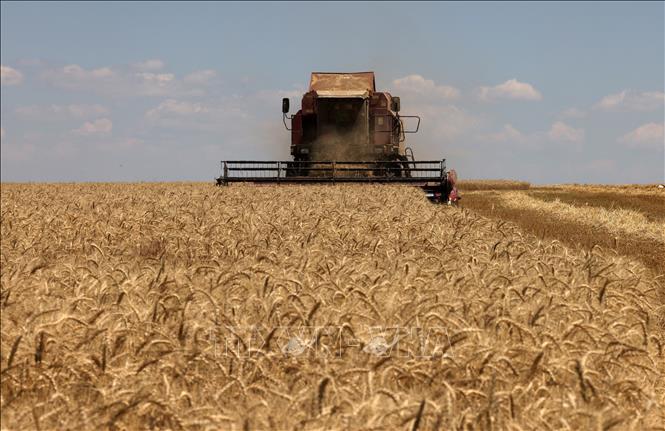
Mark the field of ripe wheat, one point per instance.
(186, 306)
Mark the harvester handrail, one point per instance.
(274, 162)
(394, 171)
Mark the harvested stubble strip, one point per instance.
(650, 252)
(619, 220)
(631, 189)
(651, 205)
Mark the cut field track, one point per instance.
(618, 221)
(651, 206)
(626, 189)
(630, 224)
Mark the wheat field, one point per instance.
(188, 306)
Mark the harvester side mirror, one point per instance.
(395, 105)
(285, 105)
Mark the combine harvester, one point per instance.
(347, 132)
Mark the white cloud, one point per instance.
(185, 115)
(561, 132)
(611, 101)
(443, 130)
(157, 84)
(128, 82)
(445, 122)
(200, 77)
(76, 77)
(156, 78)
(10, 76)
(75, 71)
(558, 132)
(75, 111)
(150, 65)
(511, 89)
(511, 136)
(573, 113)
(649, 135)
(507, 134)
(101, 126)
(174, 107)
(224, 115)
(628, 100)
(417, 85)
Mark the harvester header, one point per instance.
(346, 131)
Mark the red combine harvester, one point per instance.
(347, 132)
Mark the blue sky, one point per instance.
(543, 92)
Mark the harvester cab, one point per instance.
(344, 118)
(346, 131)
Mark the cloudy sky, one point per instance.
(547, 93)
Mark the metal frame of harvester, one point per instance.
(430, 175)
(347, 132)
